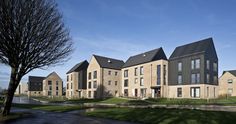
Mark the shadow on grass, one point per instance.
(166, 116)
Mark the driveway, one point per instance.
(74, 117)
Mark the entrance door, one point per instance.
(157, 92)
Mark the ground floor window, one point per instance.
(49, 93)
(195, 92)
(57, 93)
(95, 94)
(230, 91)
(126, 92)
(179, 92)
(89, 94)
(143, 92)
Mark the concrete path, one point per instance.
(43, 117)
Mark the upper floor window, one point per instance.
(95, 75)
(135, 80)
(215, 66)
(115, 82)
(126, 73)
(141, 70)
(135, 71)
(116, 73)
(141, 81)
(126, 83)
(208, 64)
(230, 81)
(195, 78)
(164, 74)
(180, 81)
(71, 77)
(67, 85)
(95, 84)
(158, 74)
(195, 64)
(57, 82)
(208, 78)
(67, 78)
(180, 66)
(215, 79)
(109, 82)
(109, 72)
(49, 82)
(89, 75)
(71, 86)
(89, 85)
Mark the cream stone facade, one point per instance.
(146, 84)
(227, 84)
(102, 81)
(22, 89)
(199, 91)
(52, 85)
(35, 93)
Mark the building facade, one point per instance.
(76, 83)
(35, 86)
(22, 89)
(52, 85)
(103, 77)
(193, 71)
(227, 84)
(145, 75)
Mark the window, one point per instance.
(50, 88)
(135, 80)
(179, 66)
(164, 74)
(126, 92)
(95, 75)
(116, 83)
(89, 76)
(57, 82)
(71, 86)
(67, 78)
(141, 81)
(215, 79)
(215, 66)
(230, 91)
(71, 77)
(195, 78)
(126, 73)
(198, 77)
(230, 81)
(197, 62)
(95, 94)
(49, 93)
(116, 73)
(109, 82)
(57, 88)
(195, 92)
(158, 74)
(67, 85)
(180, 79)
(49, 82)
(56, 93)
(89, 85)
(89, 93)
(179, 92)
(143, 92)
(109, 72)
(208, 64)
(208, 78)
(95, 84)
(135, 71)
(192, 64)
(126, 83)
(141, 70)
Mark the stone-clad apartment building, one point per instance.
(227, 85)
(190, 72)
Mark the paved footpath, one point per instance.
(43, 117)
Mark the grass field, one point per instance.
(166, 116)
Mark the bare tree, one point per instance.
(32, 35)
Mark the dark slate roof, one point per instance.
(36, 79)
(153, 55)
(192, 48)
(111, 63)
(80, 66)
(233, 72)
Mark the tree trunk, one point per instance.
(10, 93)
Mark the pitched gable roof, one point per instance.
(111, 63)
(80, 66)
(192, 48)
(53, 73)
(233, 72)
(153, 55)
(36, 79)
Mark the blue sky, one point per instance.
(121, 28)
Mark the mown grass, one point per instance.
(52, 108)
(51, 99)
(165, 116)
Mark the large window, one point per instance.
(208, 64)
(89, 94)
(141, 81)
(195, 64)
(67, 78)
(158, 74)
(192, 64)
(89, 85)
(195, 78)
(164, 74)
(109, 82)
(109, 72)
(126, 73)
(180, 81)
(143, 92)
(141, 70)
(179, 92)
(215, 66)
(49, 93)
(49, 82)
(95, 84)
(126, 83)
(195, 92)
(179, 66)
(208, 78)
(135, 71)
(126, 92)
(95, 75)
(215, 79)
(89, 76)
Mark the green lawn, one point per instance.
(51, 99)
(166, 116)
(53, 108)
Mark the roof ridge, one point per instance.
(107, 57)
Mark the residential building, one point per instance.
(35, 86)
(103, 77)
(193, 71)
(52, 85)
(22, 89)
(227, 83)
(145, 75)
(76, 82)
